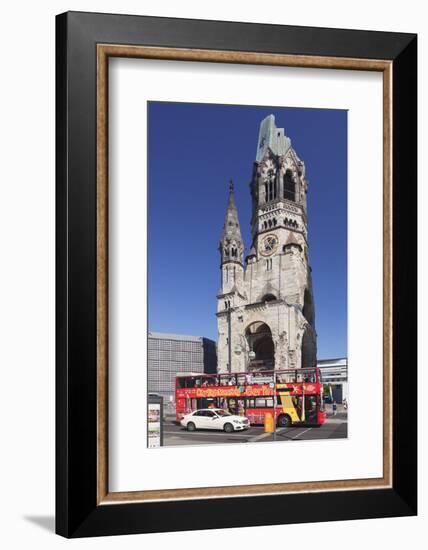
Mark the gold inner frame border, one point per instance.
(104, 52)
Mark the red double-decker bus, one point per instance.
(296, 393)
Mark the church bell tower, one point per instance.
(266, 314)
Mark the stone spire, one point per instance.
(231, 245)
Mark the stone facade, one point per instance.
(265, 311)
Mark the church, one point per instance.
(265, 309)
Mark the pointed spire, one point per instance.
(231, 211)
(231, 245)
(231, 228)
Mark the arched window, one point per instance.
(271, 185)
(289, 186)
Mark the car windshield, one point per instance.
(221, 412)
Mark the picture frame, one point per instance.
(84, 44)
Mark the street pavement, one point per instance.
(335, 427)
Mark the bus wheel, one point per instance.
(191, 427)
(284, 421)
(228, 428)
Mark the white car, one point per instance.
(214, 419)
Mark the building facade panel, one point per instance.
(169, 354)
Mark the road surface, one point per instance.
(335, 427)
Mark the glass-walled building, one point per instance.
(334, 373)
(169, 354)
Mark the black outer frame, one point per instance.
(77, 513)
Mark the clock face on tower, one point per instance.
(268, 245)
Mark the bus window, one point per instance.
(223, 403)
(233, 406)
(227, 380)
(287, 377)
(186, 382)
(241, 379)
(309, 376)
(304, 376)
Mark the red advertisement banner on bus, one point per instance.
(247, 391)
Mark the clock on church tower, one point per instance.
(269, 245)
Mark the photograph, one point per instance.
(213, 266)
(247, 273)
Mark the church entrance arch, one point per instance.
(261, 347)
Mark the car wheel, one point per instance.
(228, 428)
(284, 421)
(191, 427)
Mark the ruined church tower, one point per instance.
(265, 307)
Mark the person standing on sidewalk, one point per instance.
(334, 408)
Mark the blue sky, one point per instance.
(194, 149)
